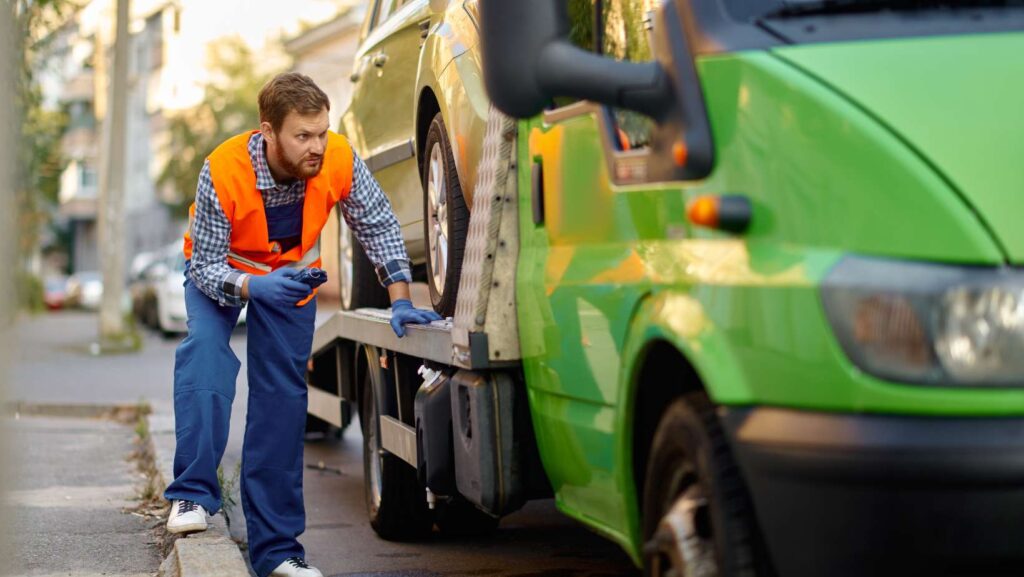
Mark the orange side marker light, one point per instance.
(729, 212)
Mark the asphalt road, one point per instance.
(51, 364)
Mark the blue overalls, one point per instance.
(205, 370)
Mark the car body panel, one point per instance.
(975, 147)
(382, 120)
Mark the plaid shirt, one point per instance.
(366, 210)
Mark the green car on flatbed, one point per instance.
(759, 309)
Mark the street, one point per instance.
(52, 365)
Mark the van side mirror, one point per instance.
(529, 63)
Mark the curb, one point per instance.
(211, 553)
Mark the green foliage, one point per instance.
(229, 107)
(30, 292)
(228, 486)
(39, 159)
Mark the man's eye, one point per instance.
(302, 137)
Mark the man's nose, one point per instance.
(318, 146)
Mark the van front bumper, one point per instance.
(845, 494)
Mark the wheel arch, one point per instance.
(427, 106)
(672, 349)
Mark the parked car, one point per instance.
(55, 292)
(165, 303)
(85, 290)
(417, 118)
(141, 286)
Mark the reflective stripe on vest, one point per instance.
(312, 255)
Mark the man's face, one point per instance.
(298, 148)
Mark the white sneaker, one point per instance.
(295, 567)
(186, 517)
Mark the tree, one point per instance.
(38, 154)
(228, 107)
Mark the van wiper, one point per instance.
(789, 8)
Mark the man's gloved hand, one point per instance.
(403, 313)
(278, 288)
(313, 277)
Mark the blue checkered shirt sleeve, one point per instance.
(211, 239)
(368, 213)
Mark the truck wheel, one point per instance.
(357, 279)
(396, 503)
(445, 218)
(459, 518)
(697, 516)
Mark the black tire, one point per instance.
(459, 518)
(400, 511)
(363, 290)
(443, 292)
(690, 456)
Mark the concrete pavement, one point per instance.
(68, 486)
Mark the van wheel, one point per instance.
(698, 519)
(445, 218)
(459, 518)
(357, 279)
(395, 502)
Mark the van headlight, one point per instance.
(929, 323)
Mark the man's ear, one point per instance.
(268, 132)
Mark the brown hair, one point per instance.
(290, 91)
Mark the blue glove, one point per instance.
(403, 313)
(278, 288)
(313, 277)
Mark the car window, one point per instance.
(384, 9)
(625, 34)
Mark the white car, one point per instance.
(170, 296)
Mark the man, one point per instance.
(262, 200)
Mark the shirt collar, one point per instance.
(258, 155)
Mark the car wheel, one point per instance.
(357, 278)
(697, 516)
(445, 218)
(395, 501)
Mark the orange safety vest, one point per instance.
(234, 180)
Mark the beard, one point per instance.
(301, 169)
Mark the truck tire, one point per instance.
(357, 279)
(395, 502)
(692, 481)
(459, 518)
(445, 218)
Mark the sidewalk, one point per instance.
(70, 485)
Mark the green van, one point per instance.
(770, 291)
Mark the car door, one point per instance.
(385, 106)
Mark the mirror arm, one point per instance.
(566, 70)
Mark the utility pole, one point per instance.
(113, 331)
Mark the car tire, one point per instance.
(445, 218)
(691, 476)
(395, 501)
(357, 279)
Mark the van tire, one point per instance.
(456, 211)
(399, 512)
(690, 459)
